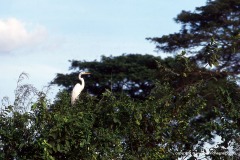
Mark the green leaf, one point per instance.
(34, 106)
(137, 122)
(58, 148)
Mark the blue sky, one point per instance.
(40, 36)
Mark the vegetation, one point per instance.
(218, 20)
(187, 107)
(137, 106)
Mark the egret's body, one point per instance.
(78, 88)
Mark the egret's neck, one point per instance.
(82, 81)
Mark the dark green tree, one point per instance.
(131, 74)
(210, 35)
(218, 20)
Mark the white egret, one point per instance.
(78, 88)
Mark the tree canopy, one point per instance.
(131, 74)
(218, 20)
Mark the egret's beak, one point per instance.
(86, 73)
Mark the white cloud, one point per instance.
(14, 35)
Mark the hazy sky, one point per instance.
(40, 36)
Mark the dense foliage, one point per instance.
(173, 120)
